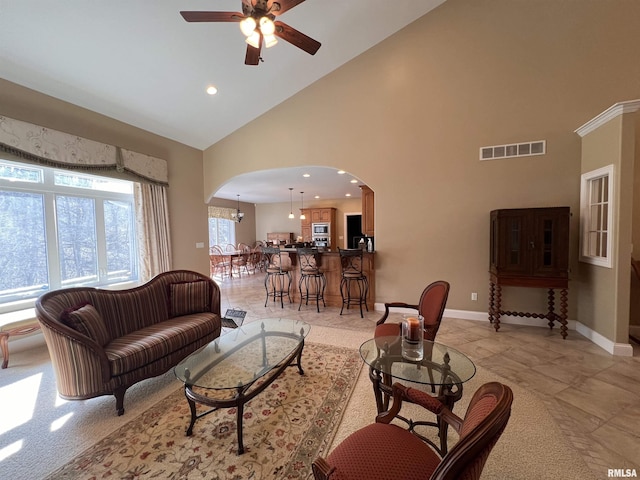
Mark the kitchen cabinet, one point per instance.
(305, 225)
(529, 247)
(367, 211)
(323, 215)
(319, 215)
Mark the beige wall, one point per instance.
(409, 115)
(187, 211)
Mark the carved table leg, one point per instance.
(551, 316)
(563, 312)
(492, 290)
(498, 306)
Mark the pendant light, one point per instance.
(291, 215)
(302, 217)
(238, 215)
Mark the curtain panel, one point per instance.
(45, 146)
(152, 226)
(222, 212)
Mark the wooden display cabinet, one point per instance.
(529, 247)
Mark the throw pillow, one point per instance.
(88, 321)
(189, 297)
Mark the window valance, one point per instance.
(221, 212)
(57, 149)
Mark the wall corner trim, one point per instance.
(613, 111)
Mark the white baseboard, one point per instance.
(619, 349)
(614, 348)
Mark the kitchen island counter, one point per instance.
(330, 265)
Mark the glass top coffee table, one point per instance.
(237, 366)
(442, 368)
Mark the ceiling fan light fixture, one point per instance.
(267, 27)
(254, 40)
(248, 26)
(270, 41)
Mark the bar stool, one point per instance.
(311, 276)
(278, 274)
(351, 261)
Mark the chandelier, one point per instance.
(238, 216)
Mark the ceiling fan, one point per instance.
(258, 25)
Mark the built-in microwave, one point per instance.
(320, 228)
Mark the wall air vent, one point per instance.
(526, 149)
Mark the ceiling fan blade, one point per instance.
(284, 5)
(296, 38)
(252, 57)
(212, 16)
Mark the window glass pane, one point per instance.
(70, 179)
(119, 235)
(15, 173)
(605, 188)
(77, 239)
(221, 231)
(23, 248)
(595, 191)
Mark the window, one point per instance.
(221, 231)
(596, 214)
(61, 228)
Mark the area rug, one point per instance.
(285, 427)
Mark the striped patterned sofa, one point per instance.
(103, 341)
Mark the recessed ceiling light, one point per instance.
(347, 194)
(317, 196)
(211, 90)
(353, 180)
(306, 175)
(341, 172)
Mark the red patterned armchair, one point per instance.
(385, 451)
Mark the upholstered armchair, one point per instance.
(431, 307)
(386, 451)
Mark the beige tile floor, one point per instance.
(593, 396)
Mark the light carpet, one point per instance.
(284, 428)
(532, 446)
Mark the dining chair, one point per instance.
(386, 451)
(220, 265)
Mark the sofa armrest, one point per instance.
(69, 348)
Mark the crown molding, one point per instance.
(613, 111)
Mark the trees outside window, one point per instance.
(61, 228)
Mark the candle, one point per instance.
(413, 329)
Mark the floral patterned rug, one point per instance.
(284, 429)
